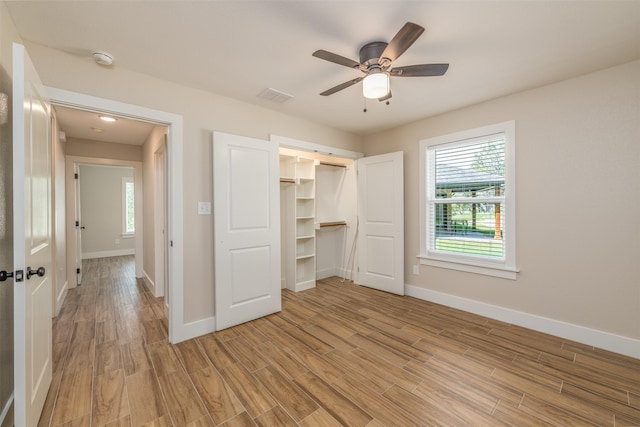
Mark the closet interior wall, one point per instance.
(318, 217)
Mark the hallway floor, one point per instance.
(339, 354)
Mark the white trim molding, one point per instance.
(593, 337)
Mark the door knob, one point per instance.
(39, 272)
(4, 275)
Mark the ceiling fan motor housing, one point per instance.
(371, 52)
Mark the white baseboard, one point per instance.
(327, 272)
(107, 254)
(303, 286)
(330, 272)
(605, 340)
(61, 297)
(6, 410)
(195, 329)
(151, 286)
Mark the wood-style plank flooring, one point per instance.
(339, 354)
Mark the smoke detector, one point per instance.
(103, 58)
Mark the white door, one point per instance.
(246, 195)
(78, 223)
(381, 222)
(32, 240)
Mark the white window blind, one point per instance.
(466, 197)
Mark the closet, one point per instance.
(286, 213)
(317, 217)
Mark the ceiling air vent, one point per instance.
(274, 96)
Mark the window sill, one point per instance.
(128, 235)
(470, 267)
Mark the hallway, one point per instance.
(338, 354)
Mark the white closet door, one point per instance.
(246, 228)
(381, 222)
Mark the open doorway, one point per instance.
(115, 172)
(178, 330)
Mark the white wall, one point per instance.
(101, 211)
(578, 198)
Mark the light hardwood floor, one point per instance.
(339, 354)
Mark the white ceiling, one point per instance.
(88, 125)
(239, 48)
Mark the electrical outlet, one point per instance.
(416, 269)
(204, 208)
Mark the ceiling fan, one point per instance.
(375, 63)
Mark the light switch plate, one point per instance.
(204, 208)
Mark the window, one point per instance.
(467, 201)
(128, 213)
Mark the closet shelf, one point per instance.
(309, 236)
(305, 256)
(304, 217)
(287, 180)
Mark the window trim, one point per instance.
(125, 233)
(498, 268)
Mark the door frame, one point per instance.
(178, 329)
(72, 163)
(160, 220)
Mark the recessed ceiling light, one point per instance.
(107, 119)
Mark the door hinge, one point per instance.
(77, 271)
(77, 223)
(75, 176)
(171, 243)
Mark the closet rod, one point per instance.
(288, 180)
(332, 224)
(335, 165)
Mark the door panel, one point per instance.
(247, 229)
(32, 240)
(381, 222)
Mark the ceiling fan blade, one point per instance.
(421, 70)
(336, 59)
(407, 35)
(341, 86)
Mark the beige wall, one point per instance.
(577, 195)
(202, 113)
(102, 150)
(101, 211)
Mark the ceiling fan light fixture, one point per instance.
(375, 85)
